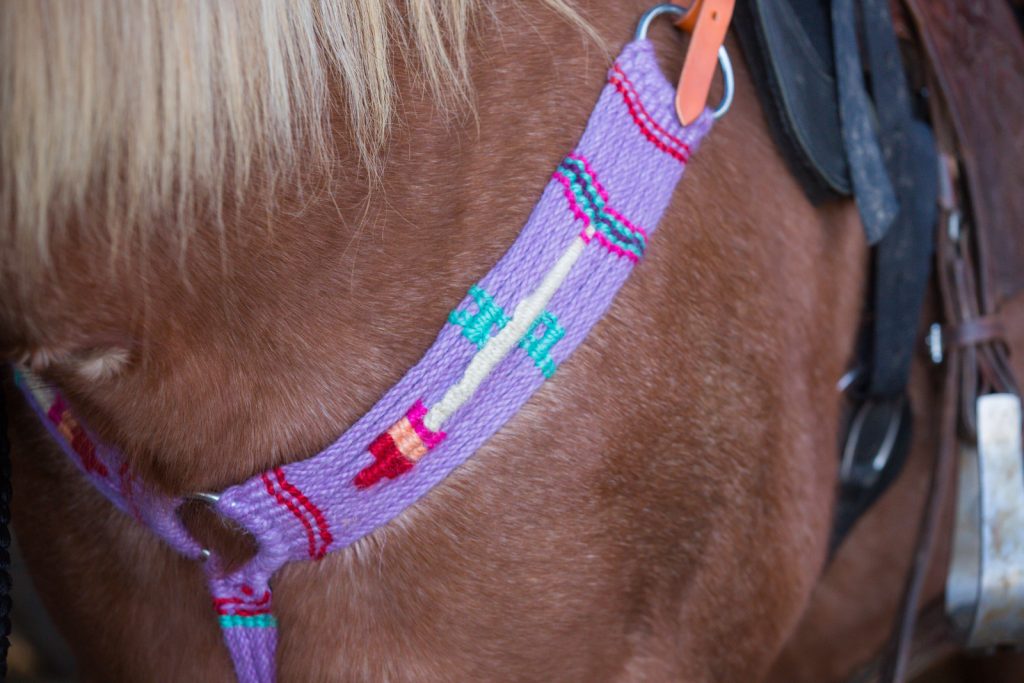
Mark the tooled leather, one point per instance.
(977, 53)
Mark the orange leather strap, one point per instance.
(708, 22)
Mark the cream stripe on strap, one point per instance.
(498, 346)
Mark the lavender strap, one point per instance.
(596, 215)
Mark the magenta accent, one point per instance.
(577, 212)
(593, 174)
(416, 415)
(632, 226)
(614, 248)
(56, 410)
(154, 510)
(246, 603)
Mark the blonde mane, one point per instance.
(143, 108)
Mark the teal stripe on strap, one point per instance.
(253, 621)
(590, 201)
(488, 319)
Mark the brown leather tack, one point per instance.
(976, 331)
(976, 60)
(977, 56)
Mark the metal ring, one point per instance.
(210, 499)
(880, 458)
(724, 63)
(205, 497)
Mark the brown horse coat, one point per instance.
(688, 447)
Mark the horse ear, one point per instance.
(100, 364)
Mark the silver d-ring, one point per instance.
(724, 63)
(210, 499)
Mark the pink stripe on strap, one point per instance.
(416, 415)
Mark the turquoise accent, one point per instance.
(488, 319)
(539, 348)
(589, 200)
(253, 621)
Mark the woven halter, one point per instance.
(507, 336)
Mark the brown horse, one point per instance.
(228, 229)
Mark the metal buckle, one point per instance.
(985, 584)
(871, 440)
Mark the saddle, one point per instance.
(789, 52)
(975, 53)
(975, 56)
(885, 150)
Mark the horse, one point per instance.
(230, 228)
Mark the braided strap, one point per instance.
(252, 642)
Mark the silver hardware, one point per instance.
(848, 379)
(204, 497)
(648, 17)
(210, 499)
(985, 585)
(953, 226)
(885, 449)
(934, 341)
(724, 63)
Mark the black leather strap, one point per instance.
(830, 78)
(886, 132)
(903, 257)
(788, 49)
(872, 187)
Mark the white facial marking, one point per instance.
(101, 364)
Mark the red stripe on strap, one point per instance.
(321, 522)
(285, 502)
(83, 446)
(250, 612)
(243, 607)
(657, 142)
(389, 462)
(643, 110)
(218, 602)
(648, 125)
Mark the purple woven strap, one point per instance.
(252, 651)
(636, 149)
(105, 467)
(596, 215)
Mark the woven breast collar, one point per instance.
(507, 336)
